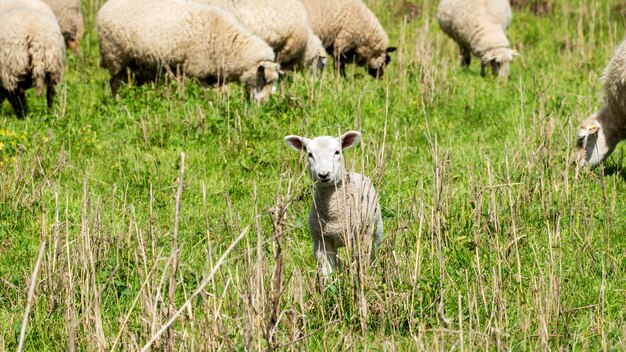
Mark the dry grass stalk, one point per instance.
(31, 290)
(279, 214)
(172, 287)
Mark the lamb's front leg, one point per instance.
(326, 257)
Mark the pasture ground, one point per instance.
(493, 240)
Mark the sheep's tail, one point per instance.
(46, 61)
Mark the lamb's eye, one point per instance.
(311, 155)
(337, 152)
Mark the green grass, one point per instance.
(492, 238)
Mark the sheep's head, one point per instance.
(325, 155)
(315, 55)
(500, 59)
(597, 138)
(376, 65)
(319, 61)
(260, 80)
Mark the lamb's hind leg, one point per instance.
(326, 257)
(466, 56)
(378, 233)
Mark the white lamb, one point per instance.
(479, 27)
(203, 42)
(345, 209)
(283, 24)
(599, 134)
(70, 20)
(31, 52)
(351, 33)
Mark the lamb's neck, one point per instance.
(325, 192)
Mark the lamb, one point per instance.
(351, 32)
(601, 132)
(70, 20)
(479, 27)
(345, 209)
(204, 42)
(31, 52)
(283, 24)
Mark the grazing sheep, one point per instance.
(599, 134)
(345, 209)
(70, 20)
(283, 24)
(351, 32)
(31, 52)
(479, 27)
(203, 42)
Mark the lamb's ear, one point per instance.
(391, 49)
(349, 139)
(297, 142)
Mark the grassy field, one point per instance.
(493, 239)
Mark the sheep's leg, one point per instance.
(50, 93)
(17, 99)
(466, 56)
(483, 68)
(115, 82)
(340, 65)
(326, 257)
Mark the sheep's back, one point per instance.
(614, 78)
(326, 17)
(281, 23)
(202, 39)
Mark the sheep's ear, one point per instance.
(592, 128)
(297, 142)
(391, 49)
(349, 139)
(260, 78)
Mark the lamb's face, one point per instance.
(595, 141)
(261, 80)
(324, 155)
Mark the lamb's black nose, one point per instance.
(324, 177)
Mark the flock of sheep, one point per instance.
(252, 42)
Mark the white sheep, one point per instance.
(345, 209)
(31, 52)
(70, 20)
(479, 27)
(202, 41)
(599, 134)
(283, 24)
(351, 33)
